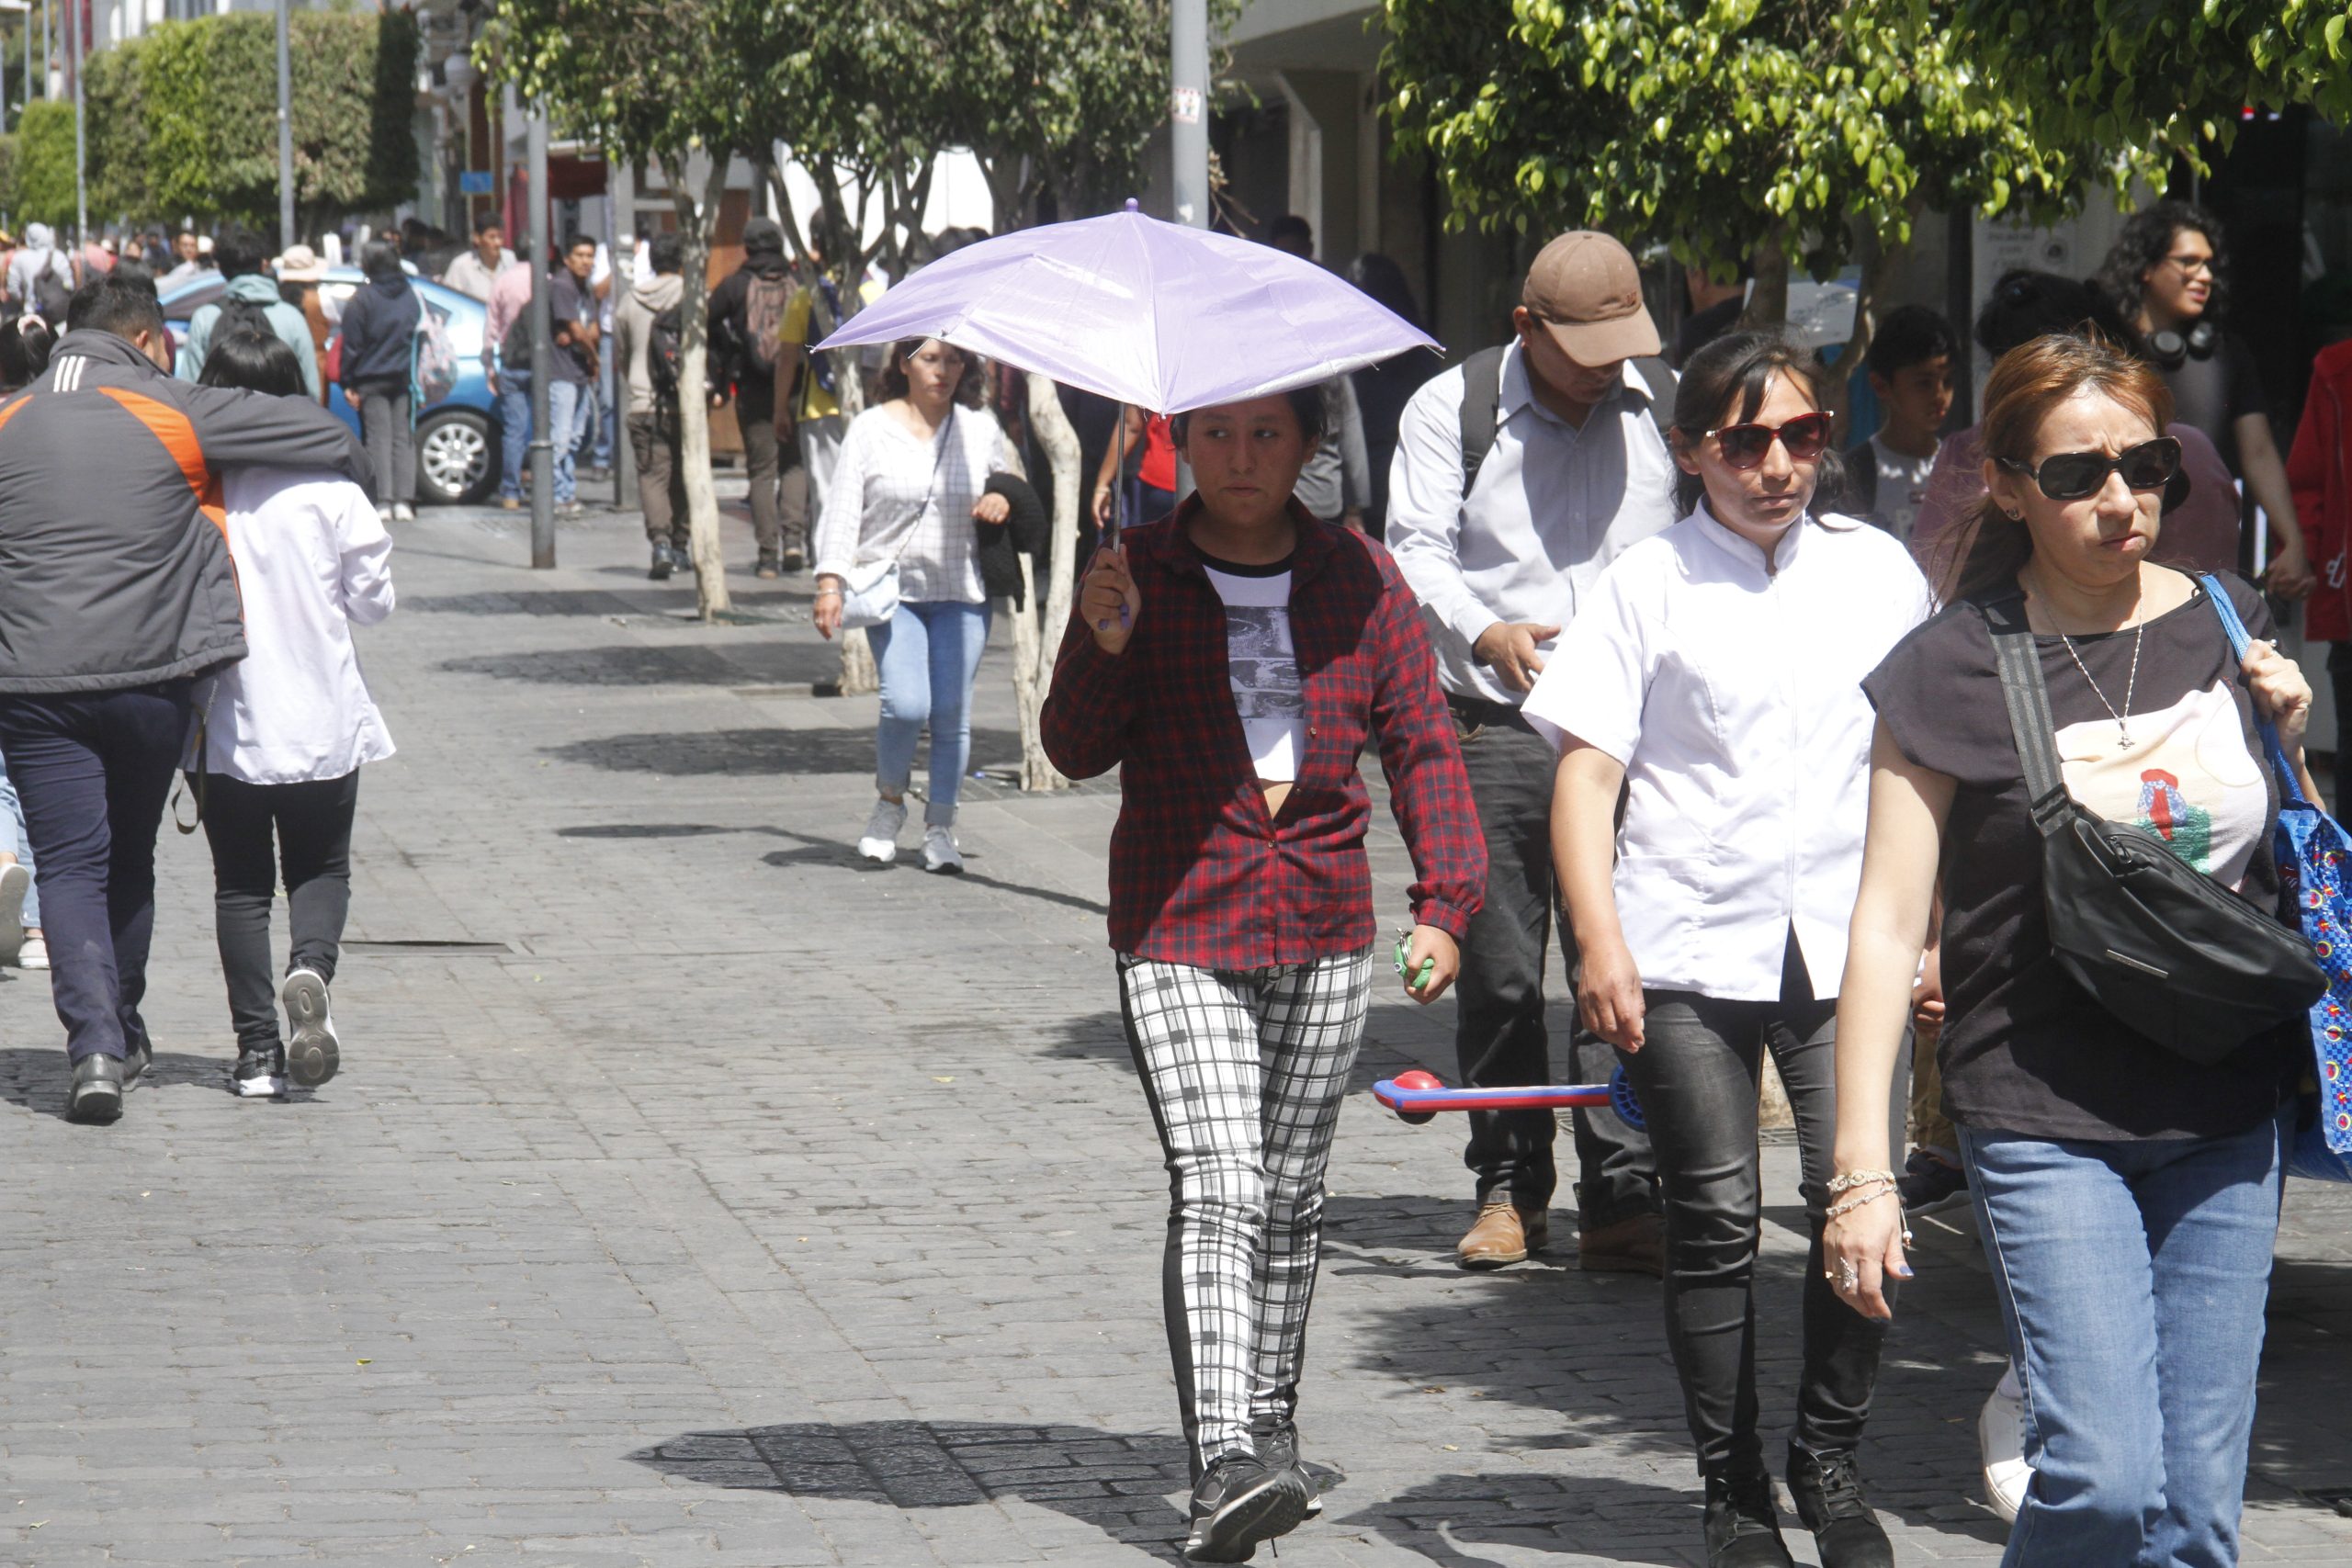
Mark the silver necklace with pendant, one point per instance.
(2131, 683)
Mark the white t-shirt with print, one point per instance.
(1262, 663)
(1902, 486)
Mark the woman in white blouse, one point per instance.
(1716, 678)
(910, 486)
(284, 732)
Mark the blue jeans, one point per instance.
(570, 406)
(2114, 1260)
(514, 429)
(94, 769)
(928, 655)
(14, 840)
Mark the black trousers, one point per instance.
(1500, 1037)
(1698, 1078)
(308, 826)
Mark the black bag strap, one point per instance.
(1658, 376)
(2030, 721)
(1482, 407)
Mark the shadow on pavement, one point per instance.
(765, 752)
(1117, 1483)
(534, 602)
(742, 664)
(1591, 1519)
(36, 1077)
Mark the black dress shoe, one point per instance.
(136, 1065)
(1239, 1502)
(1827, 1491)
(659, 570)
(96, 1092)
(1743, 1523)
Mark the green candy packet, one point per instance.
(1404, 946)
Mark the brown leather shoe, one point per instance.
(1504, 1233)
(1635, 1244)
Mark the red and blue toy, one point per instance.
(1417, 1097)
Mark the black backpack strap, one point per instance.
(1658, 376)
(1482, 406)
(2030, 721)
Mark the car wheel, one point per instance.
(456, 459)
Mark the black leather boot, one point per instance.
(97, 1091)
(1743, 1523)
(1827, 1491)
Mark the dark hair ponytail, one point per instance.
(255, 360)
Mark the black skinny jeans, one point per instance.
(1500, 1037)
(310, 824)
(1697, 1077)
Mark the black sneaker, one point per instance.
(770, 566)
(1239, 1503)
(96, 1093)
(1277, 1443)
(260, 1073)
(1743, 1523)
(1928, 1186)
(1827, 1491)
(794, 560)
(662, 563)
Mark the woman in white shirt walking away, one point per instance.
(909, 486)
(284, 732)
(1716, 679)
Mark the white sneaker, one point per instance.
(15, 883)
(34, 955)
(403, 512)
(2000, 1439)
(940, 853)
(880, 840)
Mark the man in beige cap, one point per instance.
(1519, 476)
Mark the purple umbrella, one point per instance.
(1165, 317)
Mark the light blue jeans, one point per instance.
(928, 655)
(14, 840)
(514, 430)
(570, 407)
(2131, 1278)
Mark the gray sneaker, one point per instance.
(1277, 1443)
(1239, 1502)
(313, 1052)
(880, 840)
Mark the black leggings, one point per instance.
(311, 823)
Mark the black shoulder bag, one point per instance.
(2155, 941)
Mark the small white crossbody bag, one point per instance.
(870, 593)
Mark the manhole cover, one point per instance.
(432, 947)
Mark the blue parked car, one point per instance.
(457, 413)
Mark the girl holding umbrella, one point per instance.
(1233, 660)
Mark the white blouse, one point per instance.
(895, 494)
(313, 560)
(1732, 696)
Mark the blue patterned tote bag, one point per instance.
(2315, 857)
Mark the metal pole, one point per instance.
(81, 143)
(620, 230)
(542, 448)
(1188, 111)
(285, 134)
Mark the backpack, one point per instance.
(241, 315)
(1481, 414)
(515, 348)
(763, 306)
(665, 344)
(53, 295)
(824, 319)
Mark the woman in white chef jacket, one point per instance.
(1715, 677)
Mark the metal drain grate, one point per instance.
(432, 947)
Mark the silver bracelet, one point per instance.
(1860, 1200)
(1854, 1178)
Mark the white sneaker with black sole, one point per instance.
(259, 1075)
(15, 883)
(880, 840)
(312, 1051)
(940, 853)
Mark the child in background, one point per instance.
(1910, 364)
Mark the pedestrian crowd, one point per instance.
(1766, 736)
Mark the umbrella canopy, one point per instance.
(1166, 317)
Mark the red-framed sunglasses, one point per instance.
(1744, 446)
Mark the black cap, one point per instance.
(762, 234)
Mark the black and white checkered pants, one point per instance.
(1244, 1070)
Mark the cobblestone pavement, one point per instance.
(694, 1194)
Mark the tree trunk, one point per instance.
(1048, 609)
(697, 220)
(858, 672)
(1838, 383)
(773, 177)
(1768, 300)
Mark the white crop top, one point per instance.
(1262, 663)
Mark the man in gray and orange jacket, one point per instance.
(116, 591)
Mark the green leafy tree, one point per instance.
(1729, 129)
(659, 81)
(2163, 80)
(44, 191)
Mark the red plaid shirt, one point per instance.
(1200, 872)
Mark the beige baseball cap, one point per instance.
(1584, 288)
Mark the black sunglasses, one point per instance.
(2070, 476)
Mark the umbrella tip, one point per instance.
(1133, 206)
